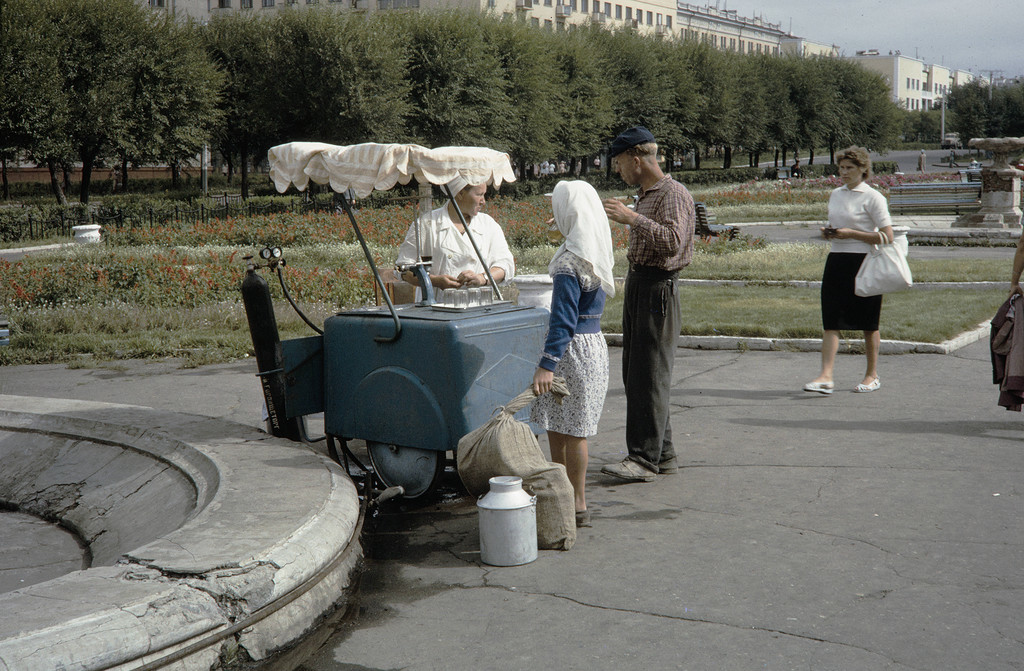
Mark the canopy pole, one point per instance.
(373, 266)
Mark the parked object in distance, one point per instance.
(951, 141)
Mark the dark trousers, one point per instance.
(651, 321)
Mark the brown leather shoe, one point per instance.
(630, 471)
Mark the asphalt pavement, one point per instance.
(852, 531)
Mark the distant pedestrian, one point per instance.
(660, 244)
(796, 172)
(922, 161)
(858, 217)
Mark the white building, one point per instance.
(915, 85)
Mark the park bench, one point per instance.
(227, 199)
(706, 227)
(970, 176)
(957, 196)
(5, 332)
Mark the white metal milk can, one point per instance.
(508, 523)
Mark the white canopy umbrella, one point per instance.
(370, 166)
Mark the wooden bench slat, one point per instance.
(955, 195)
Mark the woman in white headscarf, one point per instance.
(575, 349)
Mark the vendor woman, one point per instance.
(443, 239)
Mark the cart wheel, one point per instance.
(414, 469)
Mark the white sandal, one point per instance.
(862, 388)
(819, 387)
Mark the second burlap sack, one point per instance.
(505, 446)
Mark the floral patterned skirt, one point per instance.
(585, 369)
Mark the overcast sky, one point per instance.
(975, 35)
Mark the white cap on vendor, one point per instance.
(457, 184)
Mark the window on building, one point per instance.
(650, 18)
(629, 13)
(224, 4)
(490, 3)
(245, 4)
(268, 3)
(668, 21)
(157, 3)
(535, 22)
(657, 20)
(547, 3)
(584, 6)
(618, 12)
(608, 9)
(548, 24)
(573, 5)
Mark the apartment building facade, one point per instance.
(656, 17)
(915, 84)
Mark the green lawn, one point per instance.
(790, 312)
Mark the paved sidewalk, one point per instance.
(853, 531)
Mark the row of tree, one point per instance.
(973, 110)
(109, 82)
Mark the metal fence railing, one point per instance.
(32, 226)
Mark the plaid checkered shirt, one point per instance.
(662, 235)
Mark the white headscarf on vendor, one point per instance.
(581, 218)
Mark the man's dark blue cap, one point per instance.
(630, 138)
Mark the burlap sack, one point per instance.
(506, 446)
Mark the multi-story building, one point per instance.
(655, 17)
(914, 84)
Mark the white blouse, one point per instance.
(862, 208)
(451, 252)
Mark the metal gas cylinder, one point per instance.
(508, 523)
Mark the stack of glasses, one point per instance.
(468, 297)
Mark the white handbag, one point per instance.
(884, 270)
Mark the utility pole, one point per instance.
(991, 74)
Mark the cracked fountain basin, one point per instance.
(193, 525)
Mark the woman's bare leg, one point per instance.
(573, 453)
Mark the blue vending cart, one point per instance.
(409, 380)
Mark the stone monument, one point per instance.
(1000, 186)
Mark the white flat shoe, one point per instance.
(819, 387)
(874, 385)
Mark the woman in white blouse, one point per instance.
(858, 217)
(443, 239)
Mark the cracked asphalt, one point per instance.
(857, 531)
(852, 531)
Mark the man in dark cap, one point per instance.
(660, 244)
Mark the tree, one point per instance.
(175, 89)
(102, 42)
(340, 78)
(457, 92)
(33, 103)
(528, 66)
(584, 103)
(643, 92)
(717, 116)
(244, 48)
(968, 108)
(755, 108)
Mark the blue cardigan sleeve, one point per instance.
(565, 312)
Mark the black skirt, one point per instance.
(841, 308)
